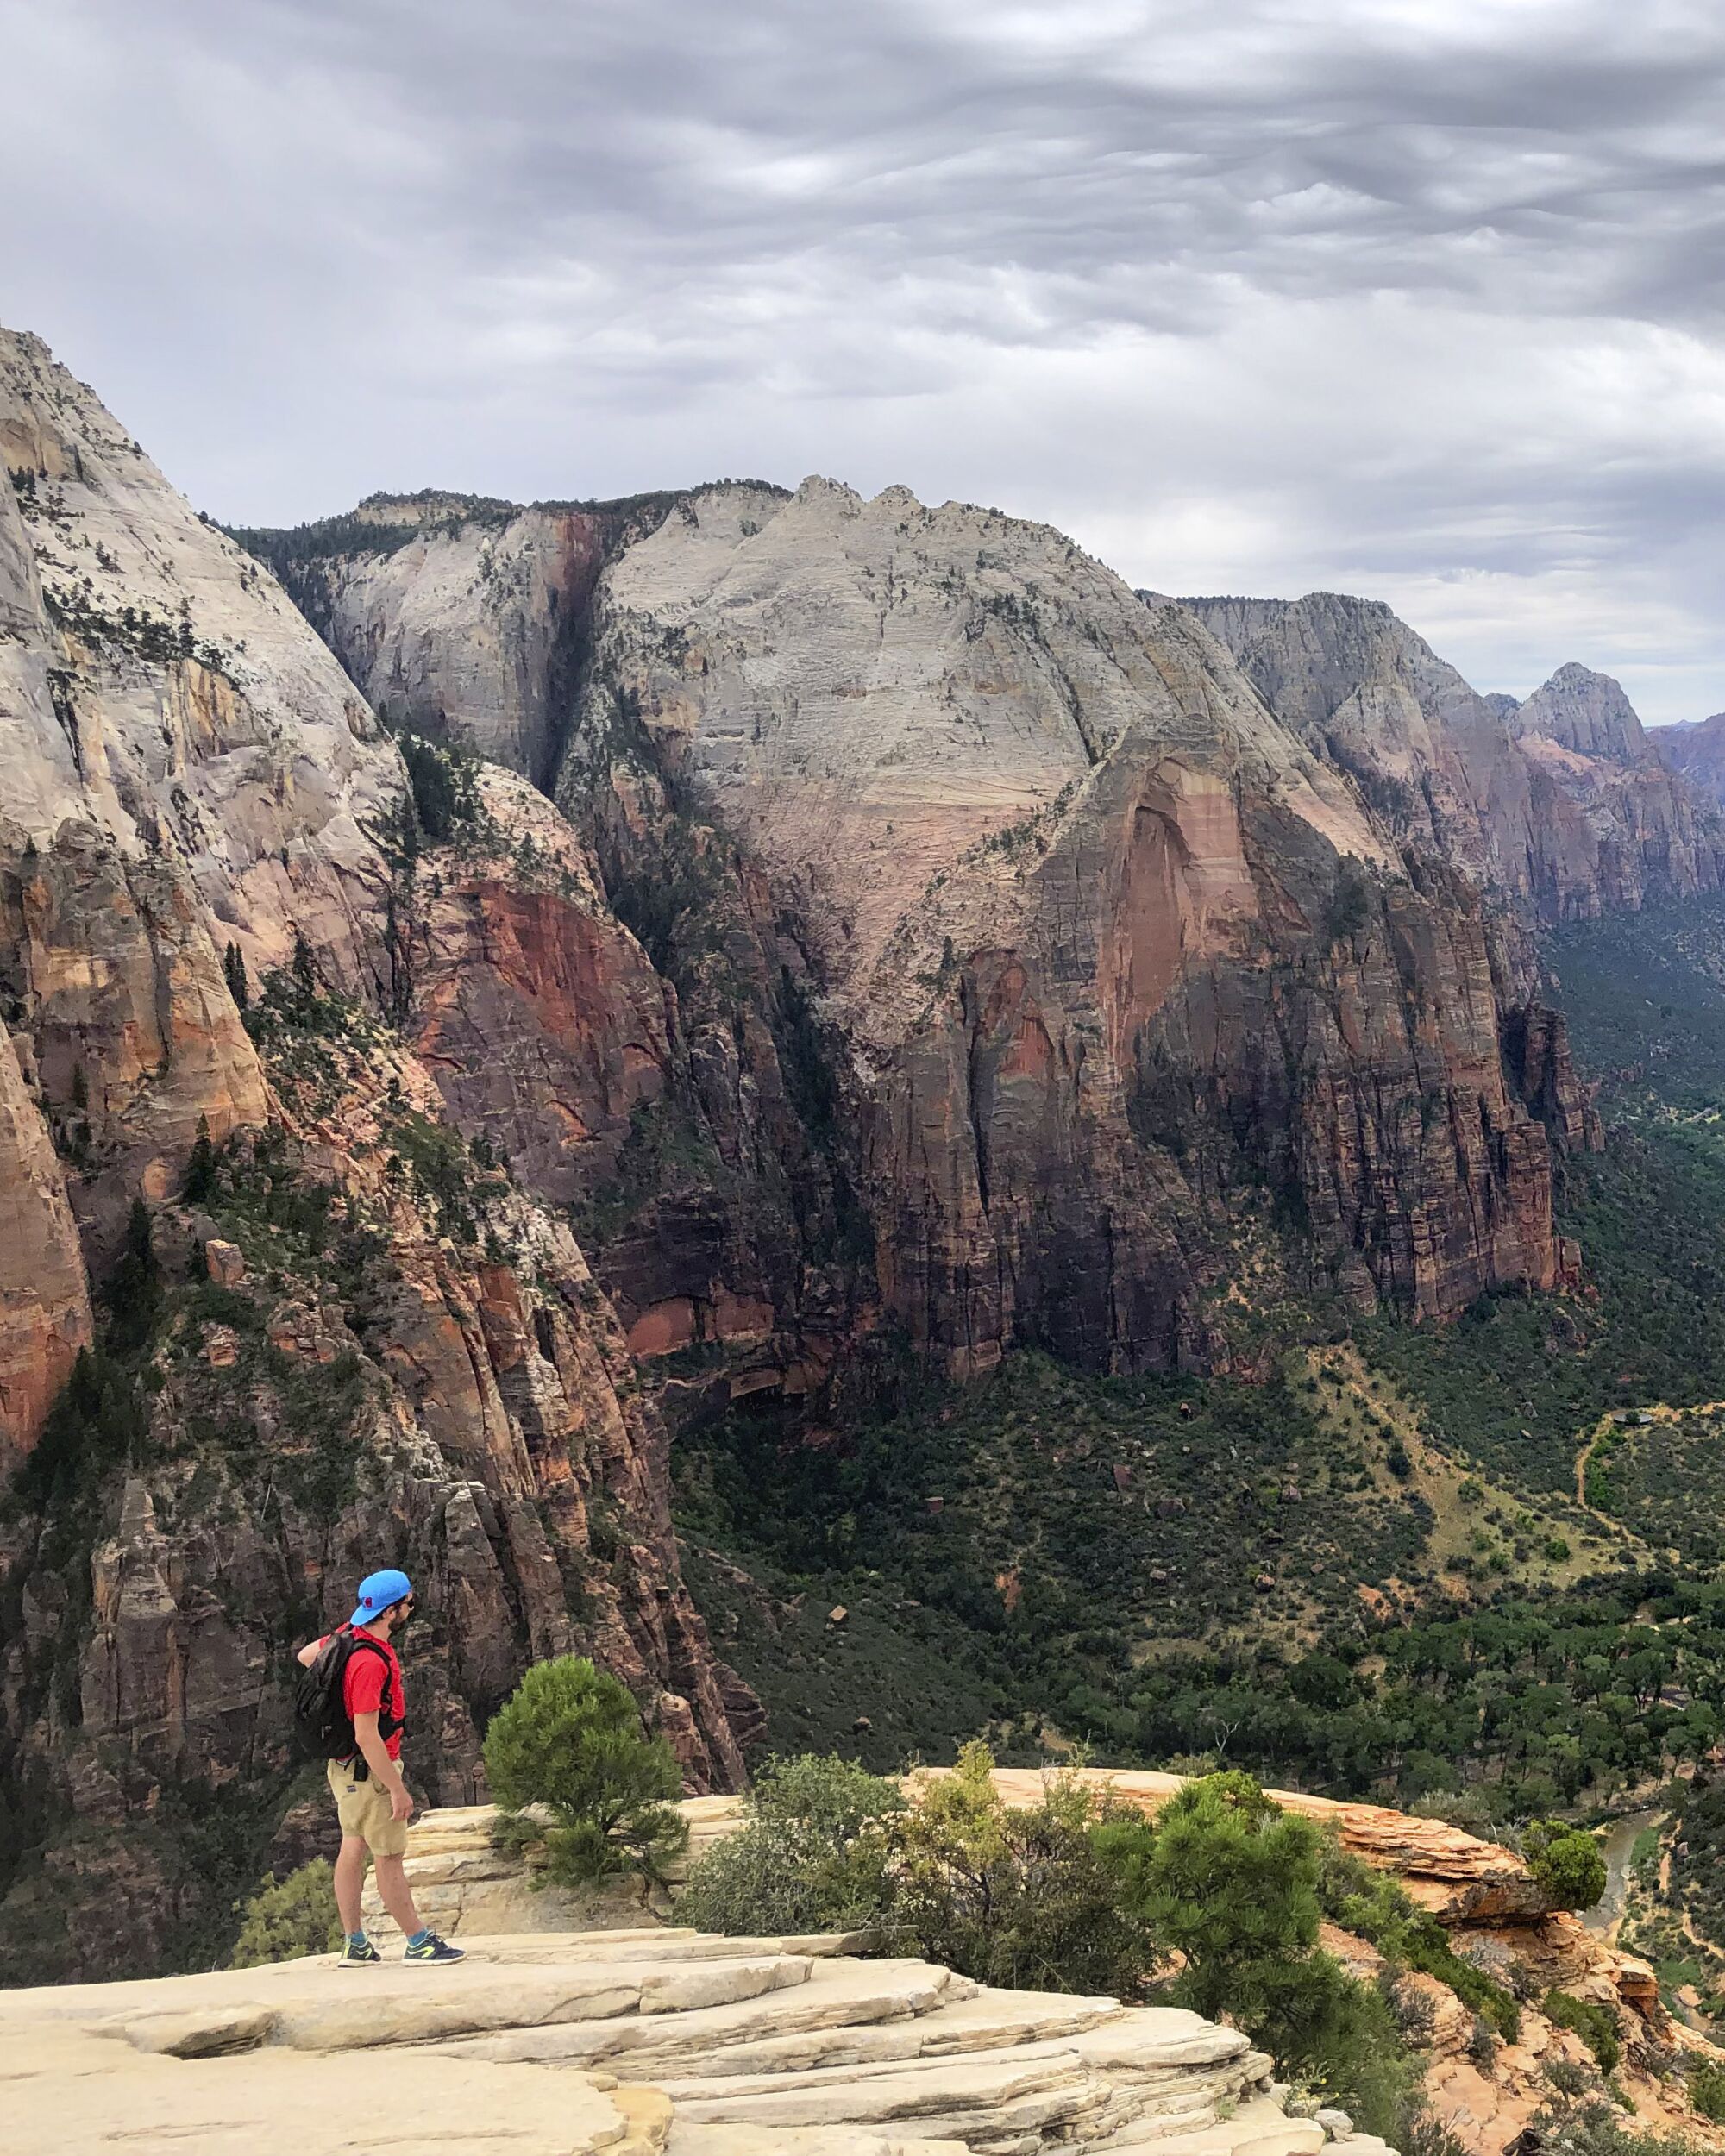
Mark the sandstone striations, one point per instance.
(1481, 1894)
(730, 2048)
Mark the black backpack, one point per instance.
(320, 1712)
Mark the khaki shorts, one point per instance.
(363, 1810)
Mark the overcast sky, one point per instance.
(1414, 297)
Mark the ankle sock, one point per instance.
(420, 1937)
(356, 1939)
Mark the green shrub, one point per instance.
(811, 1858)
(1594, 2024)
(1228, 1879)
(1566, 1862)
(570, 1739)
(1018, 1898)
(1232, 1882)
(287, 1918)
(1585, 2124)
(1378, 1909)
(1707, 2090)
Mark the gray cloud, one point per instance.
(1415, 296)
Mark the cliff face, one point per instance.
(411, 1361)
(450, 615)
(1558, 801)
(462, 618)
(1110, 943)
(1586, 714)
(44, 1315)
(1696, 754)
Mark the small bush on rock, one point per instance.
(1023, 1899)
(1594, 2024)
(570, 1739)
(812, 1856)
(287, 1918)
(1378, 1909)
(1707, 2090)
(1566, 1862)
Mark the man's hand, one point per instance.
(401, 1803)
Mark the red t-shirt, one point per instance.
(368, 1679)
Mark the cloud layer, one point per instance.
(1415, 298)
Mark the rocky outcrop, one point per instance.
(397, 1352)
(45, 1316)
(730, 2048)
(1695, 753)
(1109, 943)
(185, 766)
(1555, 802)
(1484, 2094)
(1587, 713)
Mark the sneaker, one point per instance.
(431, 1948)
(360, 1957)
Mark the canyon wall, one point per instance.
(245, 987)
(1560, 801)
(1696, 754)
(1013, 926)
(1110, 945)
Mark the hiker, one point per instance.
(349, 1707)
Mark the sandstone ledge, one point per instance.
(664, 2043)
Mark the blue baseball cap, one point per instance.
(381, 1591)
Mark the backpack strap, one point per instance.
(392, 1718)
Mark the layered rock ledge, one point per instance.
(637, 2043)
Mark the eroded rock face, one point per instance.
(185, 766)
(1060, 879)
(453, 1400)
(188, 769)
(1557, 800)
(1587, 713)
(452, 615)
(166, 684)
(538, 1013)
(44, 1315)
(1696, 752)
(1109, 942)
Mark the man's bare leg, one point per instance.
(350, 1880)
(397, 1896)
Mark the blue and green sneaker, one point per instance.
(428, 1947)
(358, 1953)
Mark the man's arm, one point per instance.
(307, 1656)
(387, 1771)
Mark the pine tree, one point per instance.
(234, 971)
(134, 1290)
(200, 1169)
(304, 969)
